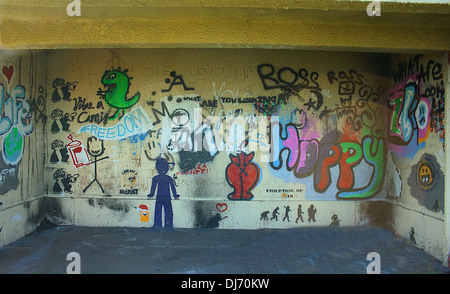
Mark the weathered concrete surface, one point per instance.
(210, 251)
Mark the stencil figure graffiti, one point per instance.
(286, 213)
(312, 213)
(58, 115)
(117, 84)
(214, 221)
(335, 221)
(299, 213)
(58, 147)
(66, 181)
(62, 89)
(275, 214)
(164, 184)
(243, 175)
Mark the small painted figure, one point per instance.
(165, 185)
(286, 213)
(275, 214)
(299, 213)
(264, 215)
(412, 237)
(312, 213)
(335, 221)
(214, 221)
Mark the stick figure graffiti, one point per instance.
(95, 148)
(177, 80)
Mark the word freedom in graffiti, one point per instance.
(133, 123)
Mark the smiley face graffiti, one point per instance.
(425, 175)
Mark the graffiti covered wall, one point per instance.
(251, 139)
(416, 140)
(267, 134)
(23, 116)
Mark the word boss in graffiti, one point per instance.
(285, 77)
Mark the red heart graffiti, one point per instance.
(8, 72)
(221, 207)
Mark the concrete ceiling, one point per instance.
(307, 24)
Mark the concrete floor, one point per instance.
(329, 250)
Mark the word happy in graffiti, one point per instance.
(314, 157)
(133, 123)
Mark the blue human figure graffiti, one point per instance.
(165, 184)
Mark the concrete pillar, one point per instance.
(446, 248)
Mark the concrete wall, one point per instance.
(325, 136)
(314, 122)
(340, 138)
(23, 100)
(417, 144)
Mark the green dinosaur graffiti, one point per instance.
(117, 84)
